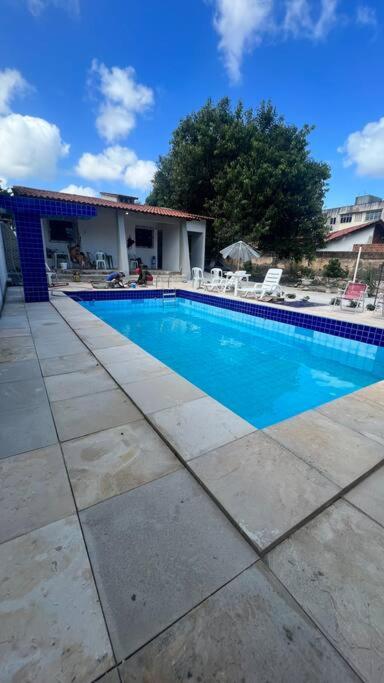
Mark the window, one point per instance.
(373, 215)
(144, 237)
(62, 231)
(346, 218)
(332, 220)
(357, 217)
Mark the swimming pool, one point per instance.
(263, 370)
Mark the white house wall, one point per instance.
(100, 234)
(171, 241)
(96, 234)
(346, 243)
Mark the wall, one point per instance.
(96, 234)
(3, 270)
(100, 234)
(197, 230)
(171, 247)
(346, 243)
(359, 214)
(372, 258)
(171, 240)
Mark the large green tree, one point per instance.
(252, 172)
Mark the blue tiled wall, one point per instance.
(31, 252)
(339, 328)
(27, 213)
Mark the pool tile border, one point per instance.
(338, 328)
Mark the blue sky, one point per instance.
(91, 90)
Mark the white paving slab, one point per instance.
(52, 628)
(334, 568)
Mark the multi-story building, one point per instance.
(359, 224)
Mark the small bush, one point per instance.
(334, 269)
(291, 296)
(370, 307)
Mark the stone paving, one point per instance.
(149, 534)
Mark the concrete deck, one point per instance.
(149, 534)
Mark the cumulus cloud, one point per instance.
(123, 98)
(11, 84)
(36, 7)
(243, 24)
(366, 16)
(79, 189)
(29, 146)
(117, 163)
(240, 25)
(365, 149)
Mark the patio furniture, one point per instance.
(270, 284)
(101, 260)
(215, 280)
(197, 277)
(232, 280)
(354, 294)
(60, 257)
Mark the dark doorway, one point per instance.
(159, 249)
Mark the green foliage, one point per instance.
(370, 307)
(334, 269)
(252, 172)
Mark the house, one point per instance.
(47, 222)
(359, 224)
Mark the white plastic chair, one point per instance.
(197, 277)
(215, 282)
(101, 260)
(270, 285)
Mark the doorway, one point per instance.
(159, 249)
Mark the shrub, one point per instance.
(369, 276)
(370, 307)
(291, 296)
(334, 269)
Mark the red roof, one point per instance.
(100, 201)
(345, 231)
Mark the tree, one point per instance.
(252, 172)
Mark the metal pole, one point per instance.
(357, 264)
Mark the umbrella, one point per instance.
(240, 252)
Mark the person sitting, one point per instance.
(115, 279)
(144, 275)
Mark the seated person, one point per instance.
(144, 275)
(115, 279)
(77, 256)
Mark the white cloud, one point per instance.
(11, 83)
(365, 149)
(29, 146)
(123, 99)
(301, 19)
(36, 7)
(243, 24)
(366, 16)
(80, 189)
(117, 163)
(240, 25)
(3, 182)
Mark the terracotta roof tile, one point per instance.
(353, 228)
(100, 201)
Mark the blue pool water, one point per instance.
(263, 370)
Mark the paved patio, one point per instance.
(149, 534)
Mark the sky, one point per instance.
(91, 90)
